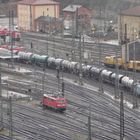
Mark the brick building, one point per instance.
(129, 25)
(130, 20)
(29, 10)
(48, 24)
(77, 15)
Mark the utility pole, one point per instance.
(43, 78)
(73, 47)
(135, 101)
(121, 118)
(80, 62)
(63, 87)
(34, 70)
(83, 49)
(63, 84)
(30, 18)
(47, 45)
(54, 46)
(89, 124)
(78, 34)
(76, 22)
(89, 127)
(1, 102)
(126, 50)
(58, 76)
(117, 76)
(100, 58)
(10, 119)
(12, 41)
(11, 29)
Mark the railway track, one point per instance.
(104, 112)
(66, 48)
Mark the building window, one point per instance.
(47, 9)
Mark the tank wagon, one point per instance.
(25, 57)
(91, 71)
(40, 60)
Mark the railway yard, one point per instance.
(32, 122)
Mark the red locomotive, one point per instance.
(56, 102)
(5, 32)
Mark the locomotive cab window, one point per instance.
(61, 101)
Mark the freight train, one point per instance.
(74, 67)
(110, 61)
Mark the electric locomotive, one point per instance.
(54, 101)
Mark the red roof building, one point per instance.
(82, 15)
(135, 11)
(38, 2)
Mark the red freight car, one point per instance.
(55, 102)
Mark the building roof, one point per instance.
(71, 8)
(84, 11)
(37, 2)
(49, 19)
(135, 11)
